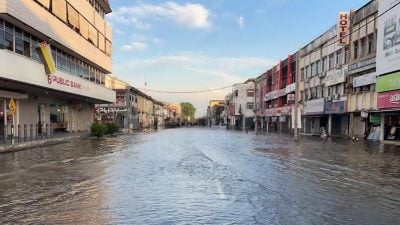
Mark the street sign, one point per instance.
(12, 106)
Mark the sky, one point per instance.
(201, 45)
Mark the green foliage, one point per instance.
(98, 129)
(188, 110)
(112, 128)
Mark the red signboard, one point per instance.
(390, 99)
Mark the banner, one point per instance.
(47, 58)
(343, 33)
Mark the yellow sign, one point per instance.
(47, 58)
(12, 106)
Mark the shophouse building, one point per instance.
(243, 101)
(215, 112)
(388, 71)
(54, 55)
(279, 95)
(361, 74)
(260, 88)
(322, 88)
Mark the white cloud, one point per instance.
(240, 21)
(189, 15)
(134, 46)
(188, 72)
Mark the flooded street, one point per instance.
(202, 176)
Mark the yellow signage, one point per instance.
(47, 58)
(12, 106)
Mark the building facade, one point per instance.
(78, 42)
(243, 105)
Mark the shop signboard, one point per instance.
(388, 43)
(280, 93)
(375, 119)
(282, 119)
(388, 82)
(314, 107)
(268, 112)
(334, 77)
(290, 88)
(286, 110)
(362, 65)
(337, 107)
(364, 80)
(389, 99)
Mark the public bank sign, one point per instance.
(388, 83)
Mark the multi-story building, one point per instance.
(53, 87)
(323, 68)
(243, 101)
(279, 95)
(362, 98)
(260, 88)
(388, 72)
(215, 111)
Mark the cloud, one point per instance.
(189, 15)
(187, 71)
(134, 46)
(240, 21)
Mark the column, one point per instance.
(330, 125)
(244, 123)
(382, 134)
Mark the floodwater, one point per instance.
(202, 176)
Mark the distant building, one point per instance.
(242, 103)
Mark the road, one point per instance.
(202, 176)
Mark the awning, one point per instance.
(14, 95)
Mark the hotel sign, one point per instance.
(343, 28)
(389, 99)
(362, 65)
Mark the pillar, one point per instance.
(382, 134)
(244, 123)
(330, 125)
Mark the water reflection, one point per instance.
(202, 176)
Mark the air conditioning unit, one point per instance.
(338, 66)
(336, 96)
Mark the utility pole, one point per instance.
(296, 101)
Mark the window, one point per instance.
(19, 42)
(102, 43)
(307, 72)
(370, 43)
(250, 93)
(323, 64)
(27, 45)
(93, 37)
(363, 45)
(250, 105)
(108, 47)
(59, 60)
(35, 44)
(74, 67)
(1, 34)
(73, 18)
(318, 67)
(339, 57)
(66, 63)
(355, 47)
(313, 69)
(331, 61)
(346, 55)
(84, 27)
(9, 37)
(59, 8)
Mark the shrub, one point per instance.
(112, 128)
(98, 129)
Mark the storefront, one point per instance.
(314, 119)
(338, 120)
(388, 103)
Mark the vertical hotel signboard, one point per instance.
(388, 46)
(343, 32)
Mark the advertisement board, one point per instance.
(364, 80)
(388, 82)
(334, 77)
(335, 107)
(314, 107)
(389, 99)
(388, 46)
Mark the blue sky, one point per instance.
(198, 45)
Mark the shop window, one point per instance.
(59, 8)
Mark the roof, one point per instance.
(105, 4)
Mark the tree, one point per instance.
(188, 110)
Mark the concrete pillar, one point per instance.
(262, 124)
(267, 125)
(330, 125)
(256, 125)
(382, 134)
(351, 125)
(244, 123)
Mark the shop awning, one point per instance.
(11, 94)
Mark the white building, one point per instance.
(80, 41)
(243, 101)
